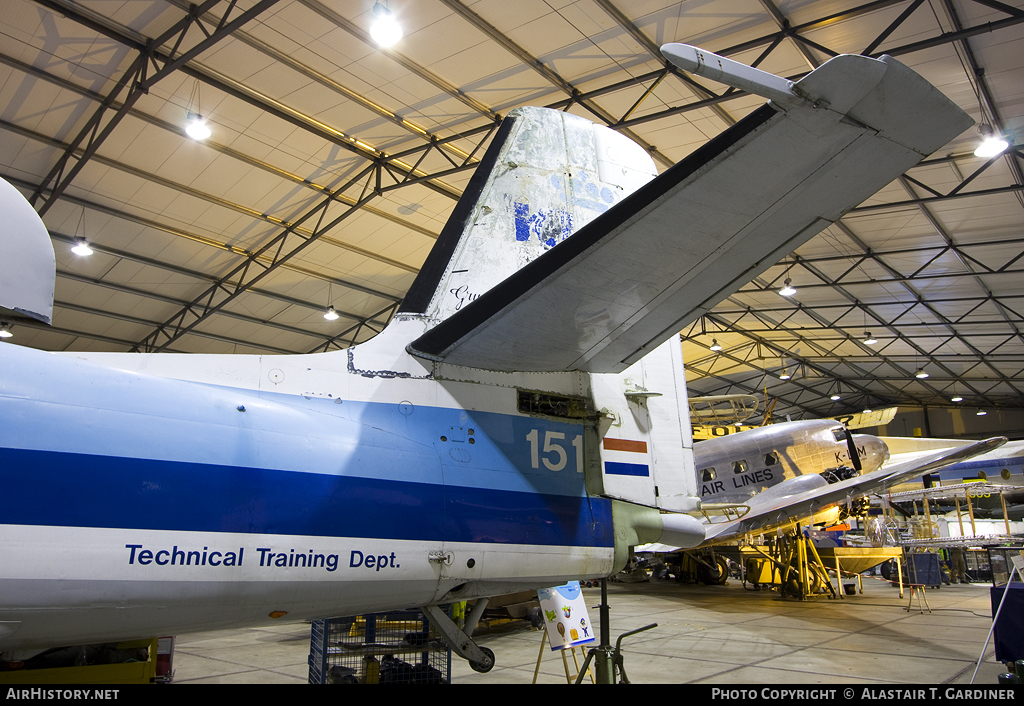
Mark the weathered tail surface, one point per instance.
(545, 175)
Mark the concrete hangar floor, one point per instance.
(713, 635)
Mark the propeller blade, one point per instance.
(854, 456)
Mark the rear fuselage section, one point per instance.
(138, 505)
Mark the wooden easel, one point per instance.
(570, 678)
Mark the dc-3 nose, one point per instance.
(873, 452)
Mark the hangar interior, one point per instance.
(332, 163)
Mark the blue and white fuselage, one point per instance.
(297, 495)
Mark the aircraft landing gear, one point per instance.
(485, 666)
(806, 575)
(711, 569)
(480, 658)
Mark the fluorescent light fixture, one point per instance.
(81, 248)
(385, 30)
(330, 314)
(5, 330)
(714, 345)
(788, 290)
(992, 145)
(869, 340)
(197, 128)
(921, 374)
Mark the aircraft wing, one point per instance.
(782, 510)
(665, 255)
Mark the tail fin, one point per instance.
(545, 174)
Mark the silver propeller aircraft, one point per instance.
(501, 434)
(735, 468)
(776, 475)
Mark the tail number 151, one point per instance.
(553, 454)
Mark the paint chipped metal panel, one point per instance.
(557, 173)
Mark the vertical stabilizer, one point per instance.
(646, 446)
(546, 174)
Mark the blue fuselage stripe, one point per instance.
(80, 490)
(617, 468)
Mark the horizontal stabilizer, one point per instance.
(665, 255)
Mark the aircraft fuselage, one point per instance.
(734, 468)
(138, 505)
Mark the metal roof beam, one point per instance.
(944, 38)
(655, 51)
(240, 280)
(550, 75)
(369, 322)
(210, 144)
(331, 84)
(99, 208)
(248, 94)
(145, 322)
(203, 277)
(138, 82)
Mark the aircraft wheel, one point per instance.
(486, 665)
(715, 575)
(723, 570)
(790, 588)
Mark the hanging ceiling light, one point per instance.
(196, 128)
(982, 413)
(869, 340)
(714, 345)
(385, 30)
(920, 374)
(5, 330)
(195, 123)
(331, 314)
(784, 375)
(957, 398)
(82, 248)
(991, 145)
(836, 397)
(788, 290)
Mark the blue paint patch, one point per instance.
(589, 195)
(522, 211)
(549, 225)
(615, 468)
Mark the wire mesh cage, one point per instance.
(382, 648)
